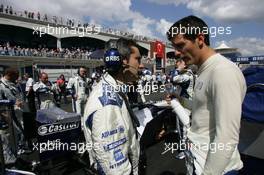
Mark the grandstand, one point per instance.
(31, 38)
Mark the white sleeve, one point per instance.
(181, 78)
(70, 83)
(54, 87)
(36, 87)
(102, 157)
(30, 82)
(134, 150)
(181, 112)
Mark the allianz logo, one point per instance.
(57, 127)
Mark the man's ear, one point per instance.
(125, 61)
(200, 40)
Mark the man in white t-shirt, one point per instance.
(217, 101)
(79, 87)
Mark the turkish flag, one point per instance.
(159, 49)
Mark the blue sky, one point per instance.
(153, 17)
(241, 28)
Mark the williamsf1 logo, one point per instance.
(57, 127)
(112, 58)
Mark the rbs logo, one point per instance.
(112, 58)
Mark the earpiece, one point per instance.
(112, 58)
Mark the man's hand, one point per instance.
(19, 103)
(75, 97)
(169, 97)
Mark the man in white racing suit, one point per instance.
(108, 119)
(183, 79)
(45, 90)
(79, 88)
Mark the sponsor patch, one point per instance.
(115, 144)
(118, 163)
(118, 155)
(57, 127)
(120, 129)
(109, 97)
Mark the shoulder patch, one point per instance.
(109, 97)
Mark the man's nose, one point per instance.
(178, 53)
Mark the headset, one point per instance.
(116, 51)
(112, 58)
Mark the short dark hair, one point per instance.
(191, 24)
(42, 73)
(82, 67)
(11, 71)
(123, 46)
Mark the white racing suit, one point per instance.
(12, 135)
(109, 128)
(184, 83)
(45, 94)
(79, 87)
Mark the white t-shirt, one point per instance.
(30, 83)
(216, 113)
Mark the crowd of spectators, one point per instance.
(83, 53)
(69, 22)
(79, 53)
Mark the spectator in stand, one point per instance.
(10, 10)
(45, 17)
(1, 8)
(38, 16)
(6, 10)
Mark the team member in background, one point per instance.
(79, 88)
(30, 96)
(183, 79)
(109, 121)
(45, 91)
(9, 91)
